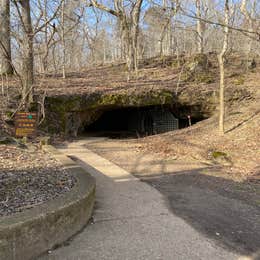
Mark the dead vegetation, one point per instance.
(237, 152)
(240, 144)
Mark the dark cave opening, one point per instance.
(133, 122)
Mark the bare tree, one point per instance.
(24, 12)
(250, 22)
(63, 40)
(48, 35)
(129, 26)
(200, 38)
(68, 19)
(5, 46)
(221, 58)
(25, 37)
(159, 21)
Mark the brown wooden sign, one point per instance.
(25, 124)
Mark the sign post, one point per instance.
(25, 124)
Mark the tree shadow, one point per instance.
(244, 121)
(223, 210)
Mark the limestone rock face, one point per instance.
(198, 63)
(249, 63)
(69, 115)
(192, 91)
(197, 70)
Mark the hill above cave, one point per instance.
(189, 86)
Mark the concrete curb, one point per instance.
(28, 234)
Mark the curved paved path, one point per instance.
(132, 221)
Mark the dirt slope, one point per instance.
(238, 151)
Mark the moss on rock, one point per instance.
(218, 154)
(222, 158)
(128, 99)
(67, 114)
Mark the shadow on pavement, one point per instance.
(227, 211)
(221, 209)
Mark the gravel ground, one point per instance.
(29, 177)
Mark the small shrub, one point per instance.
(204, 77)
(239, 81)
(218, 154)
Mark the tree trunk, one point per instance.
(46, 49)
(200, 41)
(129, 28)
(248, 15)
(221, 58)
(135, 31)
(128, 42)
(162, 37)
(5, 45)
(27, 59)
(63, 41)
(221, 94)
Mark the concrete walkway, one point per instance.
(132, 221)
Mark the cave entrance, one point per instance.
(132, 122)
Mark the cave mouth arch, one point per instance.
(134, 122)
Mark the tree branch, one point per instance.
(103, 7)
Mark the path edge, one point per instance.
(28, 234)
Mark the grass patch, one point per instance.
(218, 154)
(239, 81)
(204, 77)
